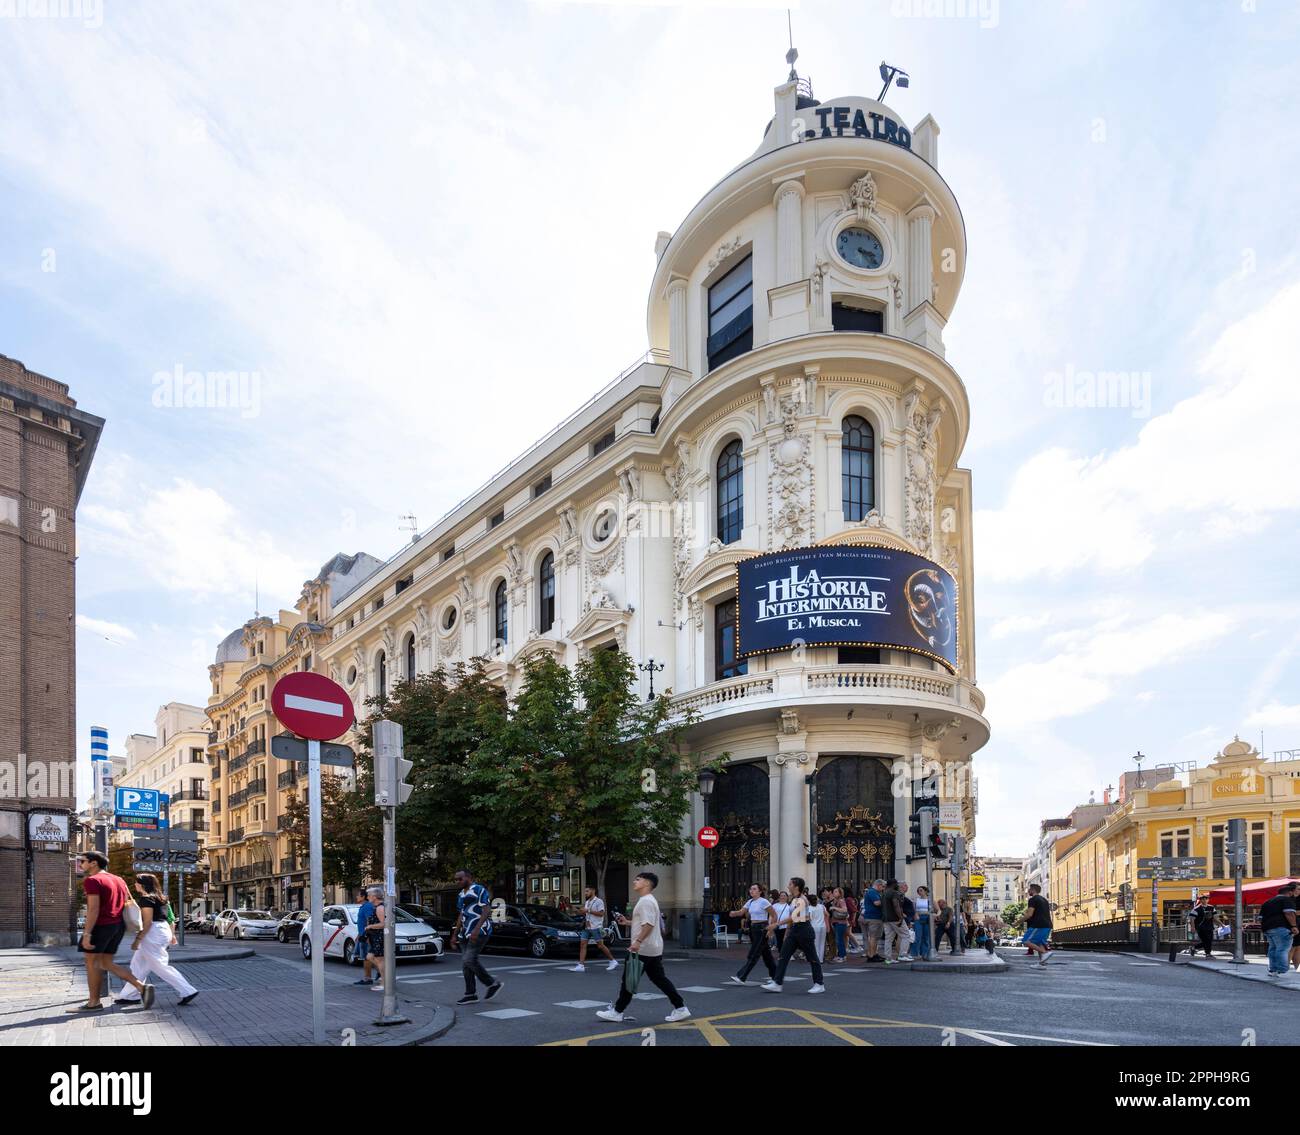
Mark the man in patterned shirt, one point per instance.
(471, 933)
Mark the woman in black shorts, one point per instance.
(374, 933)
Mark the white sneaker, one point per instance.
(771, 986)
(579, 968)
(678, 1014)
(736, 981)
(612, 964)
(817, 989)
(610, 1014)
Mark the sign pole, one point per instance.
(389, 1008)
(1155, 913)
(181, 916)
(317, 901)
(167, 846)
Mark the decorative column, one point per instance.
(774, 822)
(677, 323)
(920, 274)
(789, 233)
(795, 764)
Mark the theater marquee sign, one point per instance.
(847, 596)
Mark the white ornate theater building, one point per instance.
(769, 504)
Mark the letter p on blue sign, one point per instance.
(141, 801)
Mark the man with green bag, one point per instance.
(645, 954)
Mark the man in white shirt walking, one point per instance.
(593, 930)
(647, 944)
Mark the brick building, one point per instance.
(46, 447)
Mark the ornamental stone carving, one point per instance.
(466, 598)
(679, 483)
(784, 759)
(862, 196)
(819, 276)
(896, 286)
(568, 523)
(725, 249)
(790, 723)
(790, 482)
(919, 472)
(515, 570)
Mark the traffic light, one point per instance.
(936, 842)
(915, 824)
(391, 768)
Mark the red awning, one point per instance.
(1252, 894)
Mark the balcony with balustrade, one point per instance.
(894, 693)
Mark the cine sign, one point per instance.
(840, 595)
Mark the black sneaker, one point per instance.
(147, 995)
(493, 990)
(187, 1000)
(468, 999)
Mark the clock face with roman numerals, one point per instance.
(860, 248)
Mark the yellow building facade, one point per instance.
(1180, 819)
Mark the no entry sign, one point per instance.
(312, 706)
(708, 837)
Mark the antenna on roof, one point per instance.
(412, 528)
(792, 54)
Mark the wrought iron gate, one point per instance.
(854, 822)
(740, 808)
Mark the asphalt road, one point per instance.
(1078, 999)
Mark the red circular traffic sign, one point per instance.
(708, 837)
(312, 706)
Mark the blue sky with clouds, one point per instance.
(396, 215)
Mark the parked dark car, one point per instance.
(290, 928)
(207, 923)
(536, 930)
(429, 917)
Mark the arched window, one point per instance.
(383, 674)
(546, 594)
(410, 657)
(731, 493)
(857, 467)
(500, 613)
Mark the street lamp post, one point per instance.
(707, 940)
(650, 667)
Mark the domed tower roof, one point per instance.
(231, 648)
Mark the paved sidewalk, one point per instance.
(254, 1000)
(1254, 968)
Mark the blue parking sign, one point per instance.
(137, 801)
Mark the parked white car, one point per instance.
(415, 939)
(243, 924)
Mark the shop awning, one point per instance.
(1252, 894)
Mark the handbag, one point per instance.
(132, 917)
(632, 972)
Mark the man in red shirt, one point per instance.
(106, 896)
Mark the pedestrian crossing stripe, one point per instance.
(581, 1004)
(701, 989)
(509, 1014)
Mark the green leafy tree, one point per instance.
(1013, 912)
(445, 717)
(581, 763)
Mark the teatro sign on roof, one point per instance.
(794, 411)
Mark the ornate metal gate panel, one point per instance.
(740, 809)
(854, 822)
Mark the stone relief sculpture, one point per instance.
(790, 481)
(919, 471)
(862, 196)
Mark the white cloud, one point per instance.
(1093, 663)
(105, 629)
(1017, 625)
(1224, 456)
(189, 539)
(1275, 715)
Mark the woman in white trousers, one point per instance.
(150, 946)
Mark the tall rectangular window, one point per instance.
(725, 662)
(1258, 842)
(1176, 843)
(1293, 840)
(602, 443)
(1219, 867)
(731, 314)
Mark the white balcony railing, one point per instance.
(796, 685)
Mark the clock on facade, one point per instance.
(860, 248)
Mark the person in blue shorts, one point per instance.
(1038, 923)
